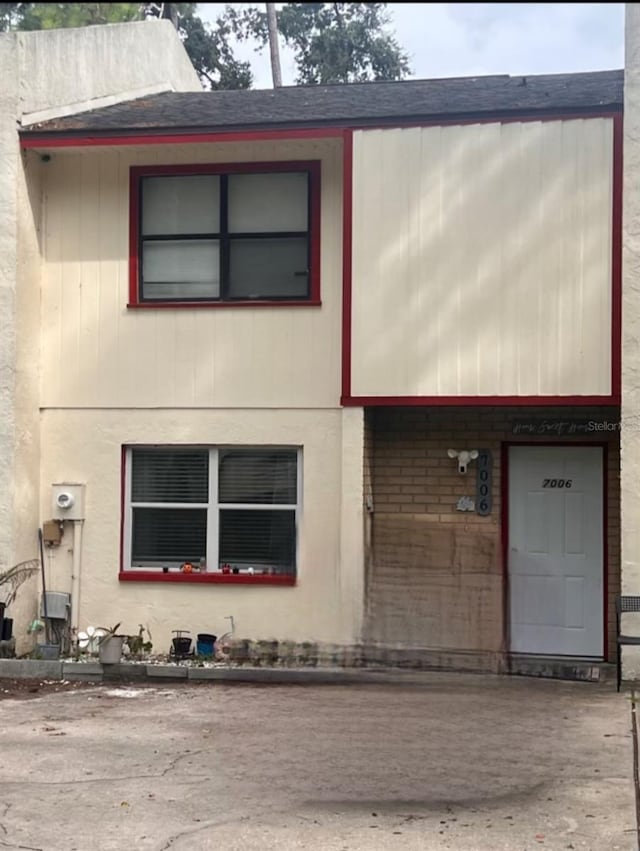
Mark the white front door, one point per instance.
(555, 550)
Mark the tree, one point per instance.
(332, 42)
(274, 48)
(46, 16)
(208, 46)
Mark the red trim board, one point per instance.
(203, 578)
(93, 138)
(123, 499)
(477, 401)
(347, 236)
(108, 138)
(173, 305)
(616, 258)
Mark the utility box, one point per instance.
(67, 501)
(58, 605)
(52, 533)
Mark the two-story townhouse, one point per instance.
(273, 322)
(46, 75)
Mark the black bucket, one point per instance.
(181, 646)
(6, 632)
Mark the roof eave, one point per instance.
(86, 136)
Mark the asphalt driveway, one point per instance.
(457, 762)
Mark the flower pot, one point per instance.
(110, 649)
(48, 651)
(6, 630)
(181, 646)
(206, 644)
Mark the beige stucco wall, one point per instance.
(8, 273)
(491, 273)
(325, 605)
(630, 438)
(46, 74)
(98, 353)
(24, 495)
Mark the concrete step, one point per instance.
(561, 668)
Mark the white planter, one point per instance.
(110, 649)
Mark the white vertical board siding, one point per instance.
(98, 353)
(482, 260)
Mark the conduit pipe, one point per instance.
(76, 571)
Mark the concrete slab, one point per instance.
(175, 672)
(84, 671)
(31, 669)
(562, 669)
(307, 676)
(267, 675)
(463, 762)
(125, 672)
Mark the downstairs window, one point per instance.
(231, 510)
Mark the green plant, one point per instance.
(14, 577)
(137, 644)
(108, 632)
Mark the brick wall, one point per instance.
(435, 576)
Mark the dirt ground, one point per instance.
(460, 762)
(25, 689)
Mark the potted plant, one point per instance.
(10, 581)
(110, 645)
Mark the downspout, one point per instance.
(76, 568)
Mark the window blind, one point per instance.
(168, 535)
(166, 475)
(258, 537)
(258, 477)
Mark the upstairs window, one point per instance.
(225, 234)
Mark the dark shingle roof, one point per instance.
(353, 104)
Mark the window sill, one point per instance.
(204, 578)
(199, 305)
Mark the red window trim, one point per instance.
(132, 574)
(204, 578)
(313, 167)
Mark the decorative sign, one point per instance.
(562, 428)
(465, 503)
(484, 482)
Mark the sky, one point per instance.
(469, 39)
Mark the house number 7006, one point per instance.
(557, 483)
(484, 483)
